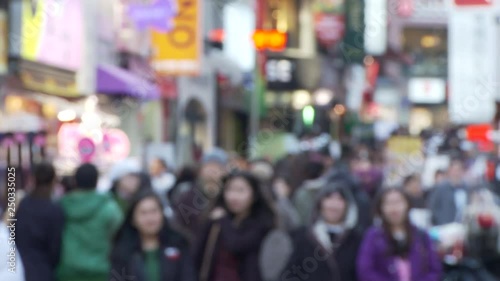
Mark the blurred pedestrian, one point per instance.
(183, 183)
(39, 227)
(331, 238)
(396, 249)
(125, 187)
(12, 264)
(439, 177)
(195, 202)
(289, 217)
(147, 248)
(92, 220)
(303, 199)
(161, 178)
(412, 185)
(229, 245)
(448, 200)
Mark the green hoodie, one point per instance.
(91, 220)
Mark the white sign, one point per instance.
(427, 90)
(376, 27)
(279, 71)
(471, 65)
(238, 43)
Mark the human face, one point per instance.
(156, 168)
(394, 208)
(456, 171)
(414, 188)
(333, 208)
(238, 196)
(148, 217)
(128, 185)
(210, 176)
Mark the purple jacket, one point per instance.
(374, 264)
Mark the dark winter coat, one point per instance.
(332, 261)
(176, 261)
(376, 264)
(39, 229)
(244, 242)
(442, 204)
(314, 249)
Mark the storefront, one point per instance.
(42, 79)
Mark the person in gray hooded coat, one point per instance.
(330, 243)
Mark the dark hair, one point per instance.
(86, 176)
(45, 174)
(68, 183)
(261, 207)
(335, 187)
(395, 248)
(409, 179)
(127, 240)
(144, 182)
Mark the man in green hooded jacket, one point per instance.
(92, 220)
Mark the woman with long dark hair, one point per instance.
(147, 248)
(397, 250)
(228, 248)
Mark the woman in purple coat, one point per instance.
(396, 250)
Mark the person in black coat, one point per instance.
(229, 246)
(39, 227)
(327, 249)
(147, 248)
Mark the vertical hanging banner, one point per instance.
(472, 40)
(329, 21)
(179, 51)
(353, 45)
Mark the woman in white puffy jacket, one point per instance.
(11, 265)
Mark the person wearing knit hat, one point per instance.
(91, 222)
(330, 237)
(188, 212)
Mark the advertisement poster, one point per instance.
(405, 157)
(52, 33)
(179, 51)
(3, 42)
(329, 21)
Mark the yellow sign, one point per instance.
(3, 42)
(405, 157)
(179, 51)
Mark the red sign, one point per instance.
(473, 2)
(329, 28)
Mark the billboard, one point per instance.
(179, 51)
(52, 32)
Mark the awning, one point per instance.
(117, 81)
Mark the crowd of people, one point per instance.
(304, 217)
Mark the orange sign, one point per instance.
(269, 39)
(179, 51)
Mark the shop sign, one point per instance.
(281, 74)
(329, 21)
(48, 80)
(375, 33)
(179, 52)
(427, 90)
(52, 32)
